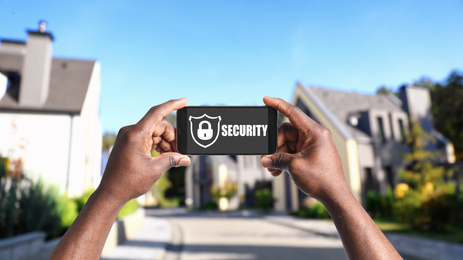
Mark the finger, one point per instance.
(165, 129)
(283, 149)
(165, 146)
(156, 141)
(157, 113)
(291, 146)
(274, 172)
(278, 161)
(174, 144)
(165, 161)
(287, 132)
(293, 113)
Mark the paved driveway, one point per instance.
(242, 235)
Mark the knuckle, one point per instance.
(172, 161)
(131, 135)
(153, 109)
(122, 130)
(324, 132)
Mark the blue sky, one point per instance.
(236, 52)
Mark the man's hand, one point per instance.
(307, 151)
(130, 172)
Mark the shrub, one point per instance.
(380, 205)
(27, 206)
(209, 205)
(263, 199)
(429, 209)
(317, 210)
(69, 212)
(129, 208)
(82, 199)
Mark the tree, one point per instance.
(384, 90)
(423, 202)
(420, 169)
(447, 108)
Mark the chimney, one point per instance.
(35, 79)
(416, 101)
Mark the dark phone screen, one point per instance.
(228, 130)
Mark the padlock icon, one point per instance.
(205, 133)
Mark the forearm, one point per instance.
(361, 238)
(86, 236)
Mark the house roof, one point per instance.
(341, 104)
(69, 82)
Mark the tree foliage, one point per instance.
(420, 168)
(428, 194)
(383, 90)
(447, 109)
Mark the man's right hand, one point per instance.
(306, 150)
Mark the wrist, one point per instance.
(339, 199)
(107, 199)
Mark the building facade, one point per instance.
(369, 132)
(208, 172)
(49, 113)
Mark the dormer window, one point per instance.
(380, 133)
(402, 130)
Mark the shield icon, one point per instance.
(205, 129)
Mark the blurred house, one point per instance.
(369, 133)
(49, 112)
(207, 172)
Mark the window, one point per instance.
(402, 130)
(368, 181)
(380, 134)
(389, 177)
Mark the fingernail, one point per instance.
(267, 162)
(183, 162)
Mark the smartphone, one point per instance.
(227, 130)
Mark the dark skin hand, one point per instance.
(130, 172)
(307, 152)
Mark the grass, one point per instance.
(452, 234)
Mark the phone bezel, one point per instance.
(182, 128)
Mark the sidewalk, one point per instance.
(148, 243)
(409, 247)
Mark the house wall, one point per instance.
(41, 140)
(347, 148)
(62, 149)
(94, 135)
(85, 158)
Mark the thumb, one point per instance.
(279, 161)
(165, 161)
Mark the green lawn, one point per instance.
(453, 234)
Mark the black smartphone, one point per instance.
(227, 130)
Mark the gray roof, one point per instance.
(341, 104)
(69, 83)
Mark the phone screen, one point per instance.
(226, 130)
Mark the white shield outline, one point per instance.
(210, 117)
